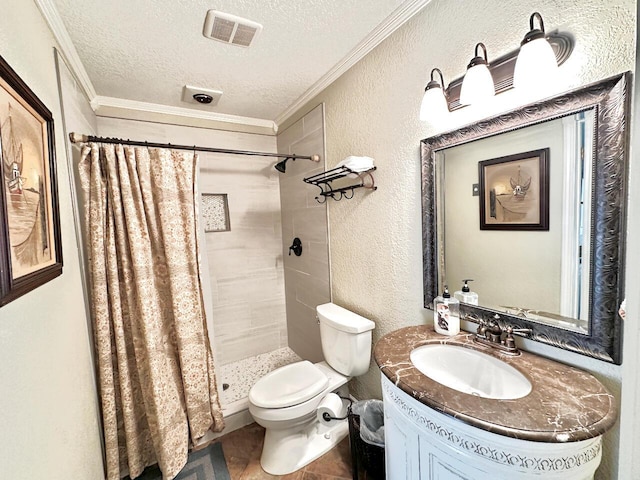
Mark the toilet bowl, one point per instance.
(285, 401)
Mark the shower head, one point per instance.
(282, 166)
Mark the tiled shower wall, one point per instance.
(306, 277)
(245, 267)
(245, 263)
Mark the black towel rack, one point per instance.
(324, 181)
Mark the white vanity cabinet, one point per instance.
(401, 445)
(422, 443)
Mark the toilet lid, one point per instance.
(288, 386)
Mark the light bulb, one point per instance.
(477, 85)
(536, 67)
(434, 105)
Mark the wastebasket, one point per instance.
(366, 419)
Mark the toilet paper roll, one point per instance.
(332, 405)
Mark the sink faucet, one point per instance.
(490, 333)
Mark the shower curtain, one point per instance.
(154, 361)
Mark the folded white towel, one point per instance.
(357, 164)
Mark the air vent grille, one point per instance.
(230, 29)
(244, 35)
(222, 29)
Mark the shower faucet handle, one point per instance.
(296, 247)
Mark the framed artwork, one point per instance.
(514, 191)
(30, 245)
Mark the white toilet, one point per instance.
(284, 401)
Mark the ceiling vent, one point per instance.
(227, 28)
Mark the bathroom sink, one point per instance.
(470, 371)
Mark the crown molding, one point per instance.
(394, 21)
(153, 112)
(68, 50)
(114, 107)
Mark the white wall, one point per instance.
(246, 276)
(77, 116)
(375, 241)
(48, 407)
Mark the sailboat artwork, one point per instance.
(511, 204)
(25, 198)
(12, 156)
(30, 248)
(515, 192)
(21, 141)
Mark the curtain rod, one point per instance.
(80, 138)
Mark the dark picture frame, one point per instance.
(514, 191)
(30, 240)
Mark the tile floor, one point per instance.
(242, 450)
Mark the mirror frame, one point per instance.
(610, 101)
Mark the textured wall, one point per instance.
(307, 276)
(246, 276)
(373, 110)
(49, 413)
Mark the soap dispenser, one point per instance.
(466, 295)
(446, 314)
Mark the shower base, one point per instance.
(241, 375)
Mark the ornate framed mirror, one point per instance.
(565, 281)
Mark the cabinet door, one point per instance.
(446, 464)
(401, 448)
(395, 454)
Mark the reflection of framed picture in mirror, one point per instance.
(30, 248)
(514, 192)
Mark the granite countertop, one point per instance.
(565, 404)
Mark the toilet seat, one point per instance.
(287, 386)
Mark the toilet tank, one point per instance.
(346, 339)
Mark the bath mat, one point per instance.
(205, 464)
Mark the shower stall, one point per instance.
(262, 297)
(259, 300)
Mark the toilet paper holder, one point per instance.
(326, 417)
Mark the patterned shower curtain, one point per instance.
(154, 361)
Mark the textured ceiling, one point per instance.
(148, 50)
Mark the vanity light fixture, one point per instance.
(477, 85)
(434, 102)
(536, 66)
(502, 69)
